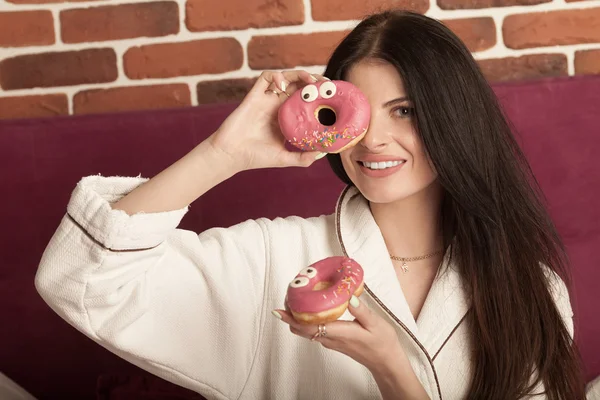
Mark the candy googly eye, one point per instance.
(308, 271)
(327, 90)
(310, 93)
(299, 282)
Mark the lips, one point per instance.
(381, 164)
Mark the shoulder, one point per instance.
(557, 288)
(287, 225)
(307, 238)
(294, 224)
(560, 294)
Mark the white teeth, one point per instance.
(382, 164)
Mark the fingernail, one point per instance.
(327, 78)
(320, 155)
(314, 78)
(354, 301)
(276, 314)
(283, 86)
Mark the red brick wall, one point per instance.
(76, 57)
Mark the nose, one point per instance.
(377, 137)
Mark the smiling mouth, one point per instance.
(381, 164)
(326, 115)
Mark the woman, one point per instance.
(478, 312)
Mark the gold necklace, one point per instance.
(404, 260)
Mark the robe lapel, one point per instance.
(446, 304)
(444, 309)
(361, 240)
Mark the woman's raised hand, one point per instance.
(250, 137)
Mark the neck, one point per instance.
(411, 226)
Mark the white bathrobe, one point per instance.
(196, 309)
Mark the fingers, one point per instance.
(302, 158)
(306, 331)
(363, 315)
(299, 79)
(337, 330)
(295, 327)
(300, 76)
(320, 77)
(284, 81)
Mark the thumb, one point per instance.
(361, 312)
(303, 158)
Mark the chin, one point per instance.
(382, 194)
(391, 193)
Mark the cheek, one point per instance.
(427, 173)
(421, 159)
(346, 161)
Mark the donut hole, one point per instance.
(322, 285)
(326, 116)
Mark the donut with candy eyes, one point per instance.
(320, 293)
(327, 116)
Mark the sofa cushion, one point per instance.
(140, 387)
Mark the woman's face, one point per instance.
(390, 163)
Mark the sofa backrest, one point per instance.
(557, 122)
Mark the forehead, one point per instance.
(376, 79)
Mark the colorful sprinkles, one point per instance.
(323, 140)
(346, 282)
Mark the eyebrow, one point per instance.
(398, 100)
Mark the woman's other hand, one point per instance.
(371, 341)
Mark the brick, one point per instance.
(217, 15)
(131, 98)
(552, 28)
(123, 21)
(288, 51)
(476, 4)
(209, 56)
(48, 1)
(58, 69)
(26, 28)
(477, 33)
(339, 10)
(224, 91)
(587, 62)
(33, 106)
(527, 67)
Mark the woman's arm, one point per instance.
(248, 139)
(181, 183)
(119, 271)
(397, 380)
(371, 341)
(161, 298)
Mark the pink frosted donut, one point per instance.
(320, 292)
(328, 116)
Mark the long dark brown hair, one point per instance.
(492, 212)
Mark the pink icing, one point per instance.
(343, 273)
(302, 129)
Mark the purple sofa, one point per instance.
(557, 121)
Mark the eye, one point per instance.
(308, 271)
(310, 93)
(404, 111)
(327, 90)
(299, 282)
